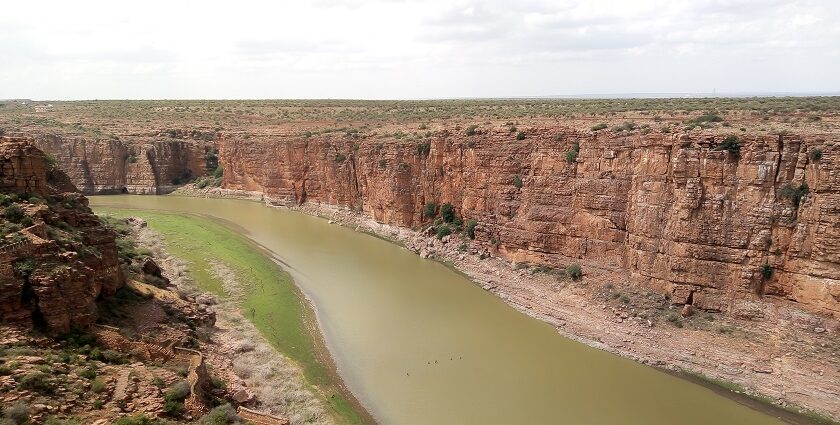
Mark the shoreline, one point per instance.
(230, 311)
(742, 359)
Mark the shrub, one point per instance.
(218, 383)
(423, 149)
(52, 420)
(88, 373)
(158, 382)
(520, 135)
(442, 230)
(114, 357)
(470, 229)
(447, 212)
(13, 213)
(97, 386)
(50, 162)
(25, 267)
(795, 194)
(220, 415)
(766, 271)
(218, 172)
(471, 130)
(140, 419)
(178, 391)
(18, 413)
(574, 271)
(571, 156)
(815, 155)
(674, 319)
(339, 158)
(37, 381)
(429, 210)
(705, 118)
(626, 126)
(731, 145)
(383, 163)
(173, 408)
(599, 126)
(26, 221)
(517, 182)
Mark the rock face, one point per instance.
(57, 257)
(154, 165)
(677, 212)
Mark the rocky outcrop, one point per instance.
(154, 165)
(56, 257)
(679, 213)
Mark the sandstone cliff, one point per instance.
(56, 257)
(677, 212)
(149, 165)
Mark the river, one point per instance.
(418, 343)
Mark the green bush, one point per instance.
(17, 414)
(218, 172)
(50, 162)
(220, 415)
(815, 155)
(574, 271)
(52, 420)
(447, 212)
(140, 419)
(88, 373)
(429, 210)
(443, 230)
(470, 230)
(173, 408)
(520, 135)
(517, 182)
(37, 381)
(599, 126)
(731, 145)
(471, 130)
(704, 119)
(14, 213)
(423, 149)
(766, 271)
(626, 126)
(178, 391)
(795, 194)
(26, 221)
(97, 386)
(339, 158)
(571, 156)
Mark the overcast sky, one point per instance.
(59, 49)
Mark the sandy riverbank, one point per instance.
(256, 372)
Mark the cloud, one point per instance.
(415, 48)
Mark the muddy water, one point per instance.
(418, 343)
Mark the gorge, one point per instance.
(707, 249)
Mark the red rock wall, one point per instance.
(62, 279)
(153, 166)
(675, 212)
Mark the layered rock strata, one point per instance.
(680, 213)
(151, 166)
(56, 256)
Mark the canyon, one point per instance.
(710, 227)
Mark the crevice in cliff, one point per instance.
(780, 146)
(29, 300)
(354, 176)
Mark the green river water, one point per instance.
(420, 344)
